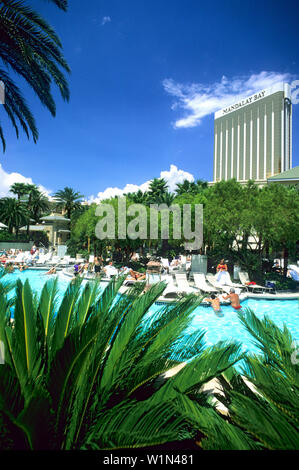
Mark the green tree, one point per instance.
(190, 187)
(31, 49)
(19, 189)
(158, 187)
(69, 200)
(39, 206)
(139, 197)
(276, 219)
(13, 214)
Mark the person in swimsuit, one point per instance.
(137, 276)
(97, 266)
(234, 299)
(52, 271)
(221, 266)
(215, 302)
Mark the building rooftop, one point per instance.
(34, 228)
(289, 175)
(54, 218)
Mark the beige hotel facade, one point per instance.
(253, 137)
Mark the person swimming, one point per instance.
(215, 302)
(51, 271)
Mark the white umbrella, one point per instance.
(2, 225)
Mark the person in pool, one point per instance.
(234, 299)
(215, 302)
(52, 271)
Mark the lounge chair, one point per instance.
(224, 287)
(55, 260)
(244, 278)
(44, 259)
(173, 291)
(202, 285)
(18, 259)
(183, 284)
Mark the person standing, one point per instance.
(221, 266)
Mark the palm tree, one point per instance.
(157, 188)
(264, 402)
(139, 197)
(19, 189)
(32, 50)
(167, 199)
(39, 206)
(13, 213)
(89, 373)
(68, 200)
(190, 187)
(201, 184)
(32, 191)
(185, 187)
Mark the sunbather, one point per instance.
(137, 276)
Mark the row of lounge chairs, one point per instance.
(48, 259)
(207, 284)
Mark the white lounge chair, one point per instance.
(18, 259)
(183, 284)
(55, 261)
(165, 264)
(244, 278)
(226, 287)
(44, 259)
(173, 291)
(202, 285)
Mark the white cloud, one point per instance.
(199, 100)
(106, 19)
(172, 176)
(8, 179)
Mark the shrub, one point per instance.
(281, 282)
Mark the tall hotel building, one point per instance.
(253, 138)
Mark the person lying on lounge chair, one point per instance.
(137, 276)
(215, 302)
(124, 270)
(234, 299)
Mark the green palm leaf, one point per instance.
(48, 305)
(65, 315)
(25, 346)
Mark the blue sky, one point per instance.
(142, 73)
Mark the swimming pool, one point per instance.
(217, 328)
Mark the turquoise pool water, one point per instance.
(228, 327)
(225, 327)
